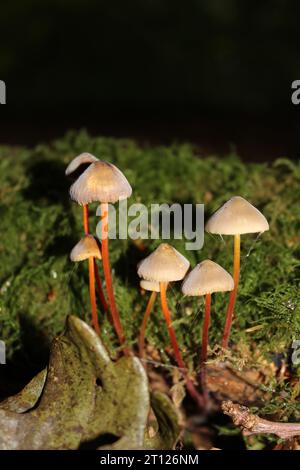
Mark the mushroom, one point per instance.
(75, 168)
(103, 182)
(165, 265)
(205, 279)
(87, 248)
(236, 217)
(153, 287)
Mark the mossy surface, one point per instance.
(40, 225)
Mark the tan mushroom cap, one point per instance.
(152, 286)
(237, 216)
(207, 277)
(86, 247)
(165, 264)
(101, 182)
(81, 159)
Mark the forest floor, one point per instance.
(39, 286)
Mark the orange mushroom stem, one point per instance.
(233, 293)
(95, 321)
(94, 272)
(167, 314)
(147, 314)
(204, 346)
(107, 274)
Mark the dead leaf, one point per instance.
(84, 399)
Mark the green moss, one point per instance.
(40, 225)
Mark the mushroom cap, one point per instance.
(152, 286)
(83, 158)
(237, 216)
(165, 264)
(207, 277)
(101, 182)
(85, 248)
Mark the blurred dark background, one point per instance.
(217, 73)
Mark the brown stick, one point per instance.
(252, 424)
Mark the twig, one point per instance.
(252, 424)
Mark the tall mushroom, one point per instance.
(205, 279)
(103, 182)
(87, 248)
(236, 217)
(165, 265)
(153, 287)
(75, 168)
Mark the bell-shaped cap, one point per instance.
(237, 216)
(100, 182)
(84, 160)
(207, 277)
(86, 248)
(165, 264)
(152, 286)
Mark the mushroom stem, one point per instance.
(100, 288)
(86, 219)
(167, 314)
(107, 274)
(204, 346)
(148, 311)
(233, 293)
(93, 295)
(86, 227)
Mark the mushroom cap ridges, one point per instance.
(151, 286)
(165, 264)
(237, 216)
(100, 182)
(81, 159)
(207, 277)
(86, 247)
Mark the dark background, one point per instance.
(217, 73)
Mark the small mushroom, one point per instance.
(103, 182)
(205, 279)
(165, 265)
(236, 217)
(100, 182)
(87, 248)
(152, 287)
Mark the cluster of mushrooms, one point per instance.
(102, 182)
